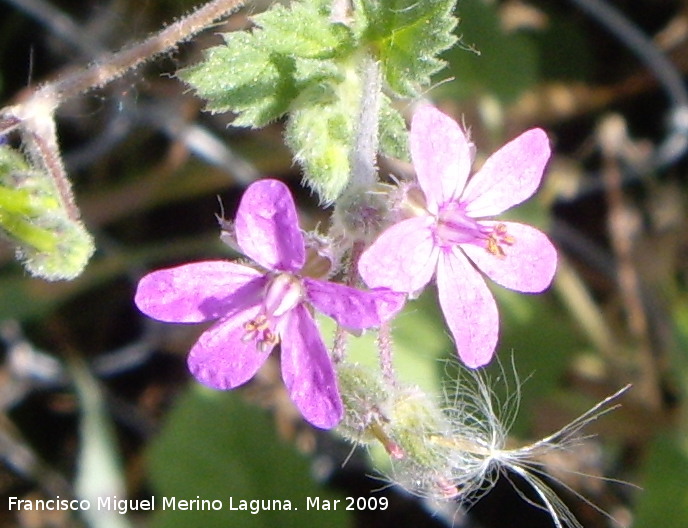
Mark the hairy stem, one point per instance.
(110, 68)
(384, 345)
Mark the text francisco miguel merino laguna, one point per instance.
(123, 506)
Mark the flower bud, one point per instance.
(51, 245)
(361, 214)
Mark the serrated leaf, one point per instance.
(258, 74)
(321, 138)
(408, 36)
(244, 78)
(322, 134)
(393, 131)
(303, 30)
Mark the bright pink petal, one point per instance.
(509, 176)
(267, 227)
(469, 309)
(197, 292)
(307, 371)
(222, 359)
(403, 258)
(441, 155)
(528, 265)
(353, 308)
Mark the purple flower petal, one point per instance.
(267, 227)
(307, 371)
(528, 265)
(353, 308)
(403, 258)
(509, 176)
(222, 359)
(441, 154)
(468, 307)
(197, 292)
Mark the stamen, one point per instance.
(494, 248)
(260, 326)
(268, 342)
(270, 338)
(498, 238)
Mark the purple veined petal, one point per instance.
(352, 308)
(403, 258)
(509, 176)
(441, 154)
(221, 358)
(307, 371)
(469, 309)
(267, 227)
(528, 264)
(197, 292)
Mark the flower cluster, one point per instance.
(444, 234)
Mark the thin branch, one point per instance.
(110, 68)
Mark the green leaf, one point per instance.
(99, 470)
(322, 134)
(393, 132)
(244, 78)
(408, 36)
(258, 74)
(215, 447)
(321, 138)
(304, 30)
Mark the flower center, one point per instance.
(283, 293)
(454, 227)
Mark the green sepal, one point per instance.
(407, 36)
(22, 231)
(72, 249)
(24, 196)
(258, 74)
(49, 243)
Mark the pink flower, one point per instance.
(255, 309)
(448, 237)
